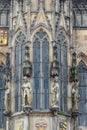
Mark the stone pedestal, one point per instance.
(39, 120)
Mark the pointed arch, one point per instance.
(82, 56)
(16, 34)
(62, 36)
(41, 27)
(82, 65)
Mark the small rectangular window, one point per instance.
(3, 19)
(78, 19)
(84, 19)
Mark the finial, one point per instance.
(61, 6)
(41, 4)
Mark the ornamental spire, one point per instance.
(41, 4)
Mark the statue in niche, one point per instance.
(7, 96)
(55, 92)
(27, 92)
(75, 97)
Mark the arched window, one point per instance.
(41, 70)
(2, 94)
(82, 71)
(62, 58)
(19, 59)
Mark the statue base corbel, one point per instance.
(27, 108)
(7, 113)
(54, 109)
(75, 113)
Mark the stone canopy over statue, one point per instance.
(27, 93)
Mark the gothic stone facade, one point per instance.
(39, 91)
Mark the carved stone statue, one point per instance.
(55, 93)
(7, 97)
(75, 97)
(27, 92)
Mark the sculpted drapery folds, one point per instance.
(55, 93)
(27, 92)
(75, 97)
(7, 96)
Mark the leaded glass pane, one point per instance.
(23, 53)
(3, 19)
(41, 70)
(62, 58)
(36, 59)
(45, 72)
(82, 89)
(78, 19)
(22, 60)
(17, 71)
(19, 59)
(2, 94)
